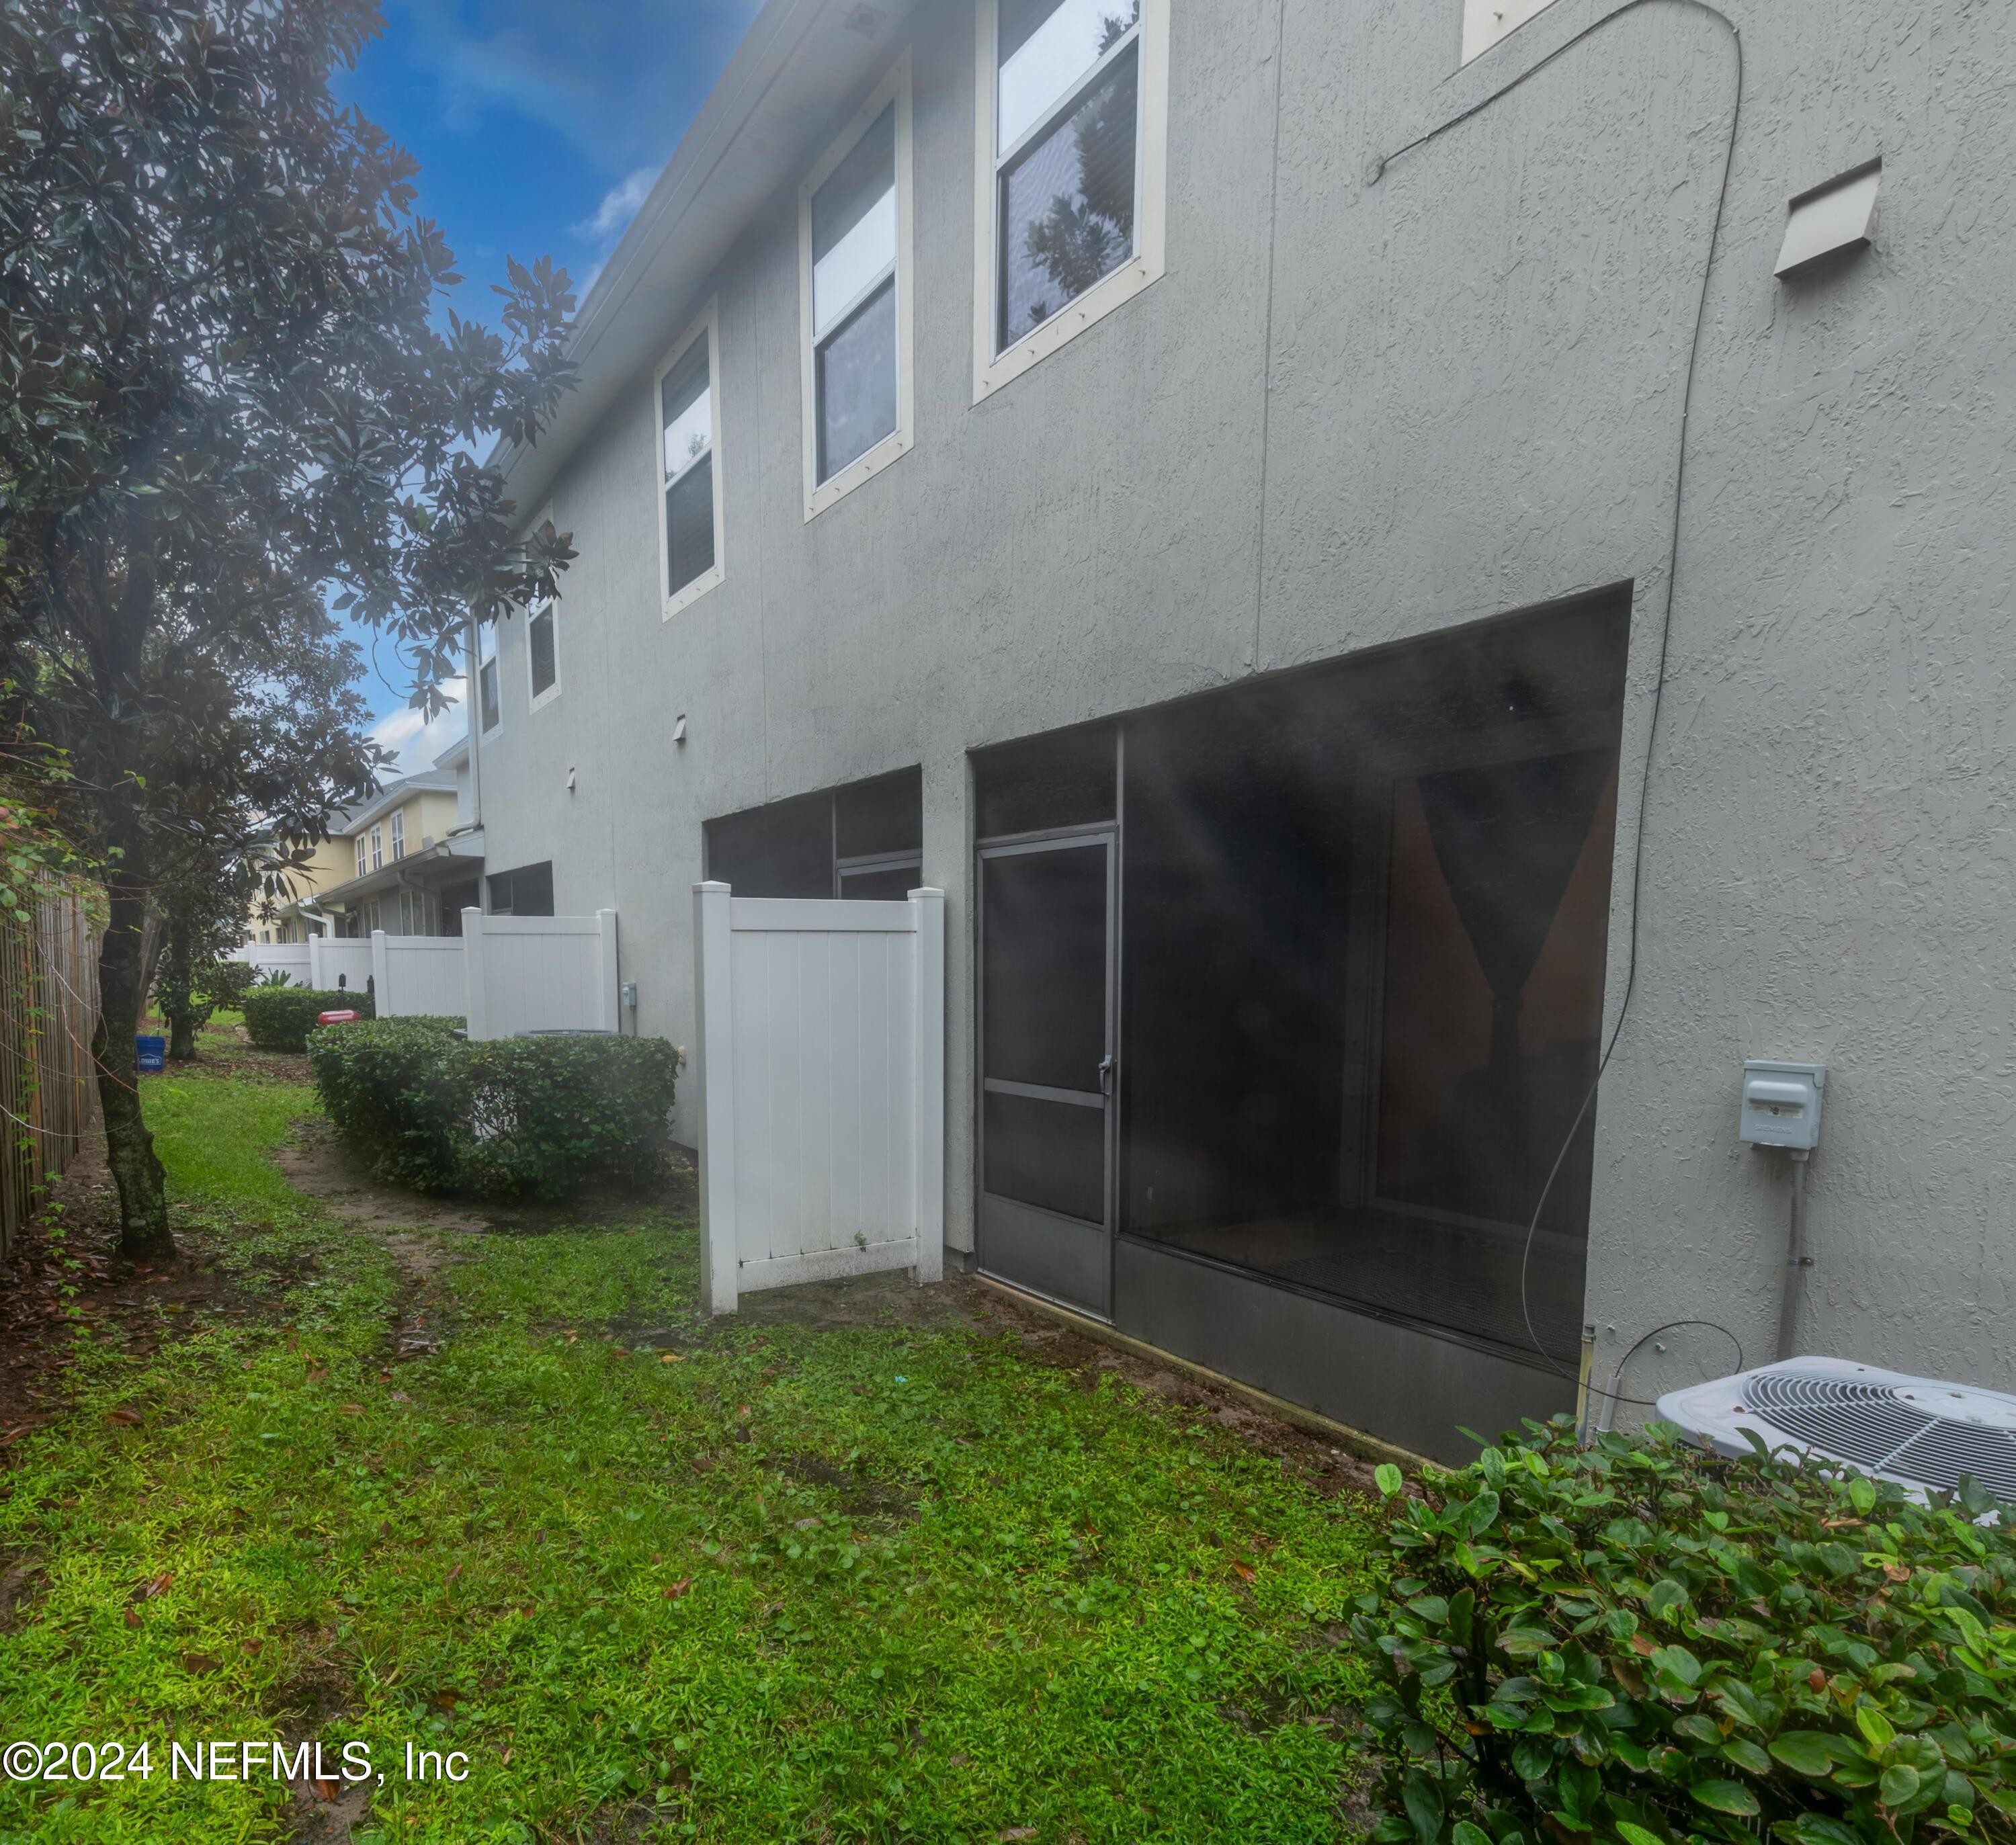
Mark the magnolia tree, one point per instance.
(232, 397)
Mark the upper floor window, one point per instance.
(488, 704)
(363, 865)
(377, 847)
(540, 651)
(853, 233)
(1073, 129)
(1484, 22)
(399, 834)
(688, 466)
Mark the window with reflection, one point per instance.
(854, 246)
(1067, 119)
(540, 648)
(686, 461)
(486, 678)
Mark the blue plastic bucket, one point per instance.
(151, 1054)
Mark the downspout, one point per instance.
(472, 706)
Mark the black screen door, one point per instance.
(1047, 1067)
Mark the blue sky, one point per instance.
(539, 126)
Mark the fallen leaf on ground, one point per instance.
(129, 1418)
(1243, 1569)
(132, 1617)
(674, 1590)
(198, 1662)
(351, 1408)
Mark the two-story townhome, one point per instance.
(1428, 579)
(408, 860)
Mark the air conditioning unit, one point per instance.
(1918, 1431)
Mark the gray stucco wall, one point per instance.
(1350, 414)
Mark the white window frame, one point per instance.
(363, 857)
(894, 88)
(534, 699)
(487, 636)
(377, 846)
(992, 369)
(1485, 23)
(706, 326)
(398, 834)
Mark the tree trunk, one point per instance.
(129, 1146)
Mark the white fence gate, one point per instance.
(339, 961)
(539, 973)
(822, 1073)
(417, 976)
(290, 957)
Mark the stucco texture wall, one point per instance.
(1354, 412)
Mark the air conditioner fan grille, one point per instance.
(1867, 1424)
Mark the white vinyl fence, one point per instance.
(339, 961)
(822, 1074)
(291, 957)
(416, 976)
(539, 973)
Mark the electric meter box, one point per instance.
(1781, 1103)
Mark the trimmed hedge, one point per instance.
(1642, 1642)
(536, 1117)
(280, 1018)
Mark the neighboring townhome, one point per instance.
(1390, 561)
(409, 861)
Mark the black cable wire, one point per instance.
(1372, 178)
(1617, 1377)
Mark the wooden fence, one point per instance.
(48, 1004)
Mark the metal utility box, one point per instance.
(1781, 1103)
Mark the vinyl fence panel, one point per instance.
(417, 976)
(539, 973)
(291, 958)
(822, 1074)
(338, 961)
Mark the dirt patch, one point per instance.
(889, 1298)
(315, 1162)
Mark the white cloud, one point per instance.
(417, 740)
(619, 205)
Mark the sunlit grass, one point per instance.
(879, 1583)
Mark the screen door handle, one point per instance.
(1106, 1074)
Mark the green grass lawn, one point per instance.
(890, 1581)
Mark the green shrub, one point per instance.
(1644, 1642)
(536, 1117)
(280, 1018)
(225, 983)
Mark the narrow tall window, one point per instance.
(688, 440)
(399, 835)
(362, 864)
(855, 239)
(377, 847)
(486, 679)
(540, 651)
(1073, 122)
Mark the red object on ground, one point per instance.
(346, 1018)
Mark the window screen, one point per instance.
(539, 639)
(685, 397)
(1067, 118)
(1066, 780)
(854, 299)
(862, 841)
(527, 891)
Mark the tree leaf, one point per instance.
(1725, 1796)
